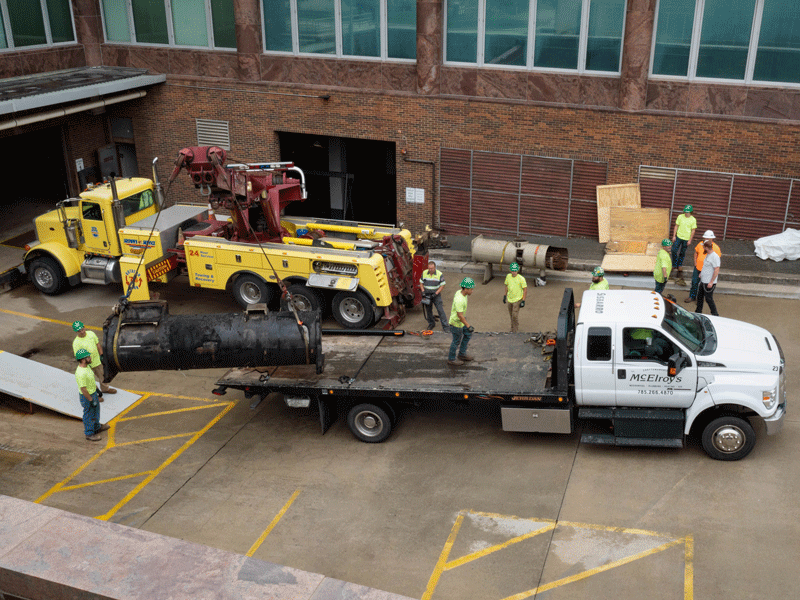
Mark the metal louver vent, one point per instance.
(213, 133)
(656, 173)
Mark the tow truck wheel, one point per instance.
(369, 423)
(249, 289)
(305, 298)
(353, 310)
(728, 438)
(47, 276)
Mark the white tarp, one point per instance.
(53, 388)
(781, 246)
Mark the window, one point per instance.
(376, 29)
(91, 211)
(137, 202)
(598, 343)
(646, 344)
(26, 23)
(739, 40)
(575, 35)
(170, 22)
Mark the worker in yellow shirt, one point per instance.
(599, 281)
(459, 327)
(682, 235)
(663, 265)
(88, 396)
(88, 341)
(516, 292)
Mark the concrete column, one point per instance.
(429, 46)
(636, 46)
(89, 30)
(247, 17)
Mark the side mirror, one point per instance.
(676, 364)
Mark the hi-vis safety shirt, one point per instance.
(85, 378)
(432, 282)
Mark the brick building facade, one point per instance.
(406, 113)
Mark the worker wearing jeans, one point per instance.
(88, 396)
(432, 283)
(461, 330)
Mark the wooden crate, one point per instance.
(625, 194)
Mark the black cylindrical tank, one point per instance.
(145, 337)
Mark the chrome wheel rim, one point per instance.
(728, 439)
(352, 310)
(368, 423)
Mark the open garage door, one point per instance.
(346, 178)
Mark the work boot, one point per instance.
(689, 299)
(93, 438)
(110, 391)
(455, 363)
(102, 428)
(465, 357)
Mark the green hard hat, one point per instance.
(77, 326)
(513, 267)
(688, 208)
(598, 272)
(82, 353)
(468, 283)
(666, 242)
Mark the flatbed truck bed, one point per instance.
(368, 377)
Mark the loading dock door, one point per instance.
(346, 178)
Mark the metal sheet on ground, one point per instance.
(53, 388)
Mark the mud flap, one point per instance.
(327, 413)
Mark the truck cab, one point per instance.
(79, 240)
(657, 371)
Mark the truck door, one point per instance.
(94, 228)
(594, 353)
(642, 378)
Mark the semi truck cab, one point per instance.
(635, 350)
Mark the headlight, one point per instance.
(769, 397)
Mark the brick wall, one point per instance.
(165, 122)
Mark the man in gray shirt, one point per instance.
(708, 279)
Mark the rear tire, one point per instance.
(305, 298)
(47, 276)
(249, 289)
(353, 310)
(369, 423)
(728, 438)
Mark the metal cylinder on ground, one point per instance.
(145, 337)
(505, 252)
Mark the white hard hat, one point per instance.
(709, 235)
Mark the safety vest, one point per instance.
(430, 282)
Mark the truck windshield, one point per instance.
(686, 326)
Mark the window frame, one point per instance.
(583, 43)
(170, 29)
(694, 51)
(339, 43)
(11, 47)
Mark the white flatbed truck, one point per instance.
(634, 369)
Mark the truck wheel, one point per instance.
(353, 310)
(305, 298)
(369, 423)
(47, 276)
(249, 289)
(728, 438)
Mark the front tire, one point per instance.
(369, 423)
(47, 276)
(353, 310)
(728, 438)
(249, 289)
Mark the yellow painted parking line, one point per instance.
(171, 412)
(78, 486)
(443, 564)
(595, 571)
(21, 314)
(272, 525)
(161, 438)
(485, 551)
(164, 465)
(176, 397)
